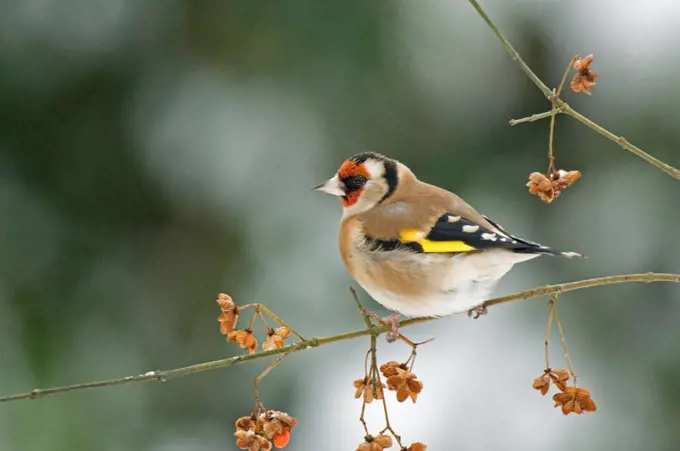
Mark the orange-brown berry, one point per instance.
(276, 338)
(584, 78)
(417, 446)
(548, 187)
(366, 387)
(244, 338)
(252, 441)
(576, 400)
(406, 385)
(229, 315)
(393, 368)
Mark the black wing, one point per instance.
(452, 234)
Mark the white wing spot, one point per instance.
(453, 218)
(504, 239)
(571, 254)
(489, 236)
(470, 228)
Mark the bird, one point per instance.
(418, 249)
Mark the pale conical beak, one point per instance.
(332, 186)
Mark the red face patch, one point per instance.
(348, 169)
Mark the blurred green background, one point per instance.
(156, 152)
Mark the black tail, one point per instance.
(523, 246)
(533, 248)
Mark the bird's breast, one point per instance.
(401, 271)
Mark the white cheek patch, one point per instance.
(362, 205)
(375, 169)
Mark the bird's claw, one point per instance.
(392, 320)
(477, 311)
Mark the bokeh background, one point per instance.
(154, 153)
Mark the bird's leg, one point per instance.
(392, 320)
(477, 311)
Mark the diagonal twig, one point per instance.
(564, 107)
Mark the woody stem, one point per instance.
(361, 417)
(551, 309)
(554, 111)
(412, 358)
(564, 76)
(256, 382)
(388, 427)
(366, 374)
(263, 320)
(364, 313)
(534, 117)
(374, 366)
(551, 153)
(252, 319)
(273, 316)
(564, 345)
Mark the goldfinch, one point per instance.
(418, 249)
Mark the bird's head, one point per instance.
(362, 182)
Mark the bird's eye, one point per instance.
(355, 182)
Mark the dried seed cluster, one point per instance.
(584, 78)
(558, 377)
(382, 441)
(401, 380)
(370, 388)
(263, 429)
(275, 338)
(377, 443)
(571, 398)
(575, 400)
(548, 187)
(244, 338)
(229, 315)
(260, 433)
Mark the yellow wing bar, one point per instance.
(429, 246)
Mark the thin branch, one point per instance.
(565, 108)
(564, 76)
(361, 417)
(554, 112)
(272, 315)
(551, 309)
(377, 380)
(315, 342)
(621, 141)
(567, 355)
(364, 313)
(547, 92)
(551, 152)
(258, 379)
(366, 379)
(264, 321)
(534, 117)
